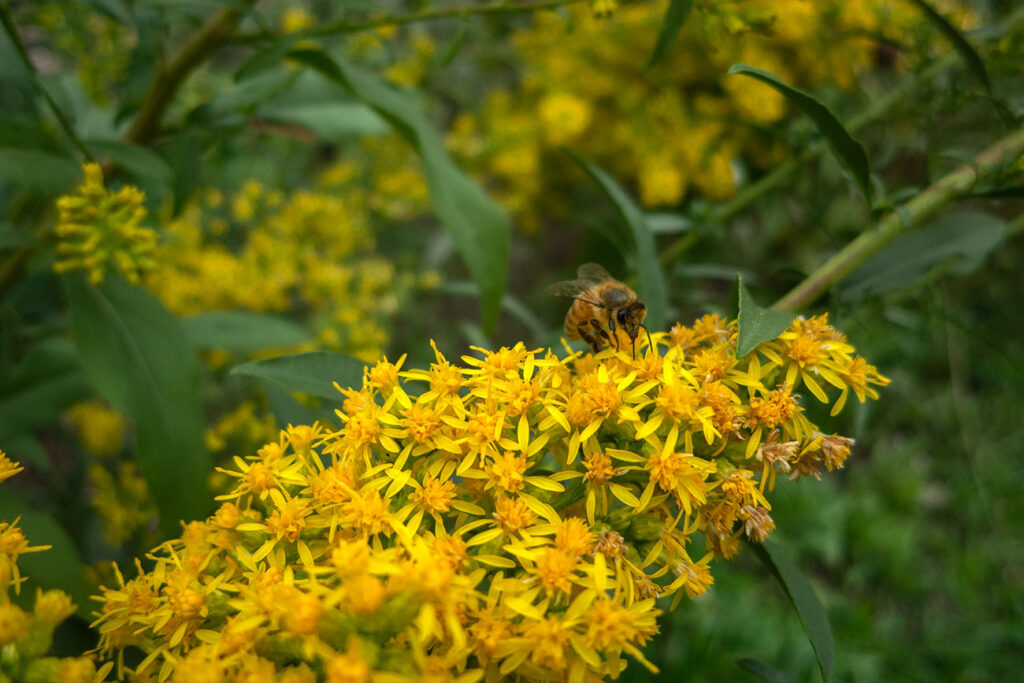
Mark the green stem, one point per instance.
(904, 218)
(784, 171)
(343, 26)
(170, 75)
(12, 32)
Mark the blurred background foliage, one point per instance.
(292, 214)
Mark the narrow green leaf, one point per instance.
(961, 240)
(267, 58)
(44, 384)
(808, 607)
(847, 150)
(330, 121)
(60, 567)
(960, 43)
(132, 158)
(137, 356)
(675, 17)
(37, 171)
(666, 223)
(763, 671)
(242, 331)
(311, 373)
(652, 281)
(478, 227)
(453, 47)
(756, 324)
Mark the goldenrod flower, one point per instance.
(100, 231)
(514, 519)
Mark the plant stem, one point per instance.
(12, 32)
(170, 75)
(343, 26)
(903, 219)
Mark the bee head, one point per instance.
(631, 317)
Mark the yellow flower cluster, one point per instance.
(309, 254)
(683, 126)
(26, 636)
(513, 517)
(99, 230)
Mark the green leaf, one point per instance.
(960, 43)
(44, 384)
(675, 17)
(137, 356)
(763, 671)
(802, 595)
(756, 324)
(285, 409)
(329, 121)
(652, 281)
(666, 223)
(847, 150)
(453, 47)
(961, 240)
(266, 58)
(311, 373)
(60, 566)
(36, 171)
(136, 160)
(242, 331)
(478, 227)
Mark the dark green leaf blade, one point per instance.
(757, 324)
(313, 372)
(763, 671)
(847, 150)
(242, 331)
(266, 58)
(675, 17)
(136, 160)
(967, 52)
(961, 240)
(37, 171)
(808, 607)
(652, 288)
(479, 228)
(46, 382)
(137, 356)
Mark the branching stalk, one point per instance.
(905, 218)
(210, 36)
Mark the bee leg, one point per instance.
(586, 336)
(611, 325)
(601, 332)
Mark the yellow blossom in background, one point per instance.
(99, 231)
(308, 253)
(512, 516)
(678, 129)
(100, 428)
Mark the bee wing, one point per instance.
(593, 273)
(574, 289)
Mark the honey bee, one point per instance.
(600, 303)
